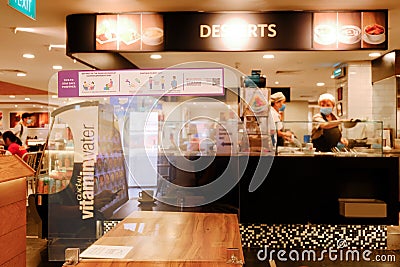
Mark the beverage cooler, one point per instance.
(86, 180)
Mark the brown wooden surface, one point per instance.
(172, 239)
(12, 244)
(12, 167)
(12, 211)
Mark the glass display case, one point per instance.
(358, 138)
(57, 162)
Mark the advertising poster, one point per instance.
(349, 30)
(130, 32)
(38, 119)
(158, 82)
(97, 185)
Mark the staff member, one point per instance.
(278, 105)
(327, 134)
(21, 130)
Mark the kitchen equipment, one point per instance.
(350, 123)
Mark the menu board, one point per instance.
(130, 32)
(228, 31)
(349, 30)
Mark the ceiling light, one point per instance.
(57, 67)
(21, 74)
(21, 29)
(332, 76)
(34, 106)
(276, 82)
(27, 99)
(16, 106)
(11, 96)
(155, 56)
(53, 46)
(54, 96)
(320, 84)
(28, 56)
(268, 56)
(374, 54)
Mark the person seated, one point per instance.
(13, 144)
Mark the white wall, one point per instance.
(296, 111)
(384, 102)
(359, 90)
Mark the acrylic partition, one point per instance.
(110, 156)
(115, 159)
(358, 138)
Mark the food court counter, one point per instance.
(292, 189)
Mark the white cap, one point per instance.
(279, 96)
(327, 96)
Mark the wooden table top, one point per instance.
(172, 239)
(13, 167)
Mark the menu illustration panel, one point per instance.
(349, 30)
(130, 32)
(374, 29)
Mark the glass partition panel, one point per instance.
(110, 156)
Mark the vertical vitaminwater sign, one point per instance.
(73, 211)
(201, 81)
(26, 7)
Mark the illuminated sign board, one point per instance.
(339, 72)
(231, 31)
(26, 7)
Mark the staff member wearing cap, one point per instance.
(278, 105)
(327, 134)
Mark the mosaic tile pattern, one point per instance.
(108, 225)
(297, 236)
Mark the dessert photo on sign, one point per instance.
(374, 30)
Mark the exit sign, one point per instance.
(26, 7)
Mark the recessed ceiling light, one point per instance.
(54, 96)
(22, 29)
(320, 84)
(155, 56)
(11, 96)
(28, 56)
(41, 106)
(374, 54)
(276, 82)
(57, 67)
(21, 74)
(16, 106)
(34, 105)
(332, 76)
(53, 46)
(27, 99)
(268, 56)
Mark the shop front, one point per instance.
(198, 139)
